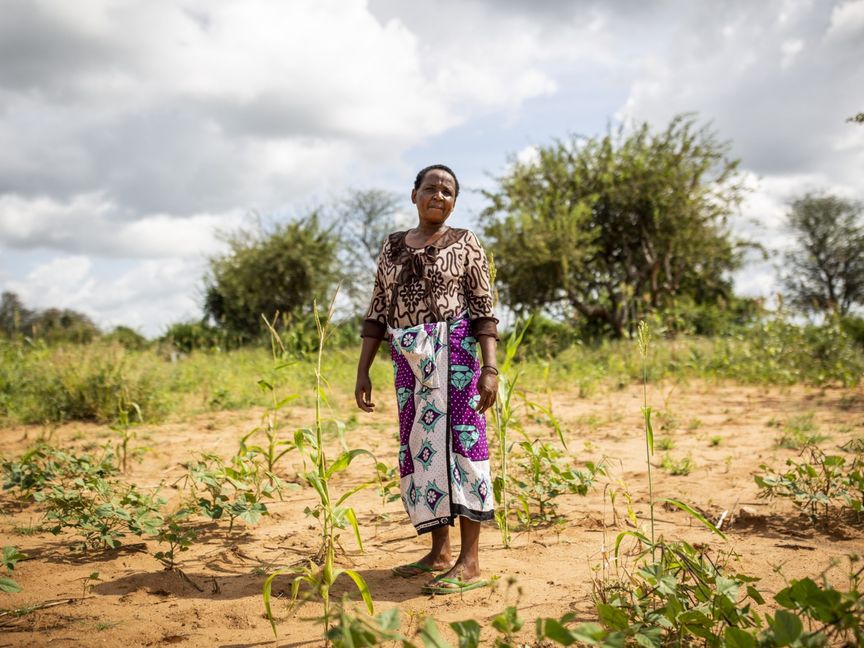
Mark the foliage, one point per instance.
(177, 536)
(94, 382)
(128, 338)
(799, 431)
(235, 490)
(44, 465)
(269, 272)
(52, 325)
(101, 511)
(682, 596)
(611, 229)
(859, 118)
(196, 336)
(825, 270)
(820, 485)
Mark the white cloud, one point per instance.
(148, 296)
(847, 20)
(133, 129)
(90, 224)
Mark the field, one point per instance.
(711, 437)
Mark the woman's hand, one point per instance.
(487, 387)
(363, 393)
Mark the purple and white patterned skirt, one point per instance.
(443, 454)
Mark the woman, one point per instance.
(433, 301)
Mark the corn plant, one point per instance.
(8, 560)
(644, 340)
(504, 420)
(125, 428)
(275, 447)
(331, 511)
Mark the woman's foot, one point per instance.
(464, 571)
(428, 564)
(462, 577)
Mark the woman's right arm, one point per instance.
(363, 386)
(374, 329)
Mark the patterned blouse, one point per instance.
(431, 284)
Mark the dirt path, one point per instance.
(727, 430)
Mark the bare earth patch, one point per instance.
(726, 430)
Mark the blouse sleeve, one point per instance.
(478, 290)
(375, 322)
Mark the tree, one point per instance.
(859, 118)
(825, 269)
(364, 218)
(13, 315)
(265, 272)
(606, 230)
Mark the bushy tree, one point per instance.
(825, 269)
(52, 324)
(363, 218)
(13, 314)
(608, 229)
(268, 271)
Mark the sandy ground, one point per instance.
(137, 603)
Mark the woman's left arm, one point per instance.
(487, 384)
(484, 325)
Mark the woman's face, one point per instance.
(435, 198)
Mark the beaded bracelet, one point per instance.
(493, 368)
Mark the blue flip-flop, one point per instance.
(452, 585)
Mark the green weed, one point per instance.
(799, 432)
(677, 467)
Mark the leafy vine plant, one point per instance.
(332, 512)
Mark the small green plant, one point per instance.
(799, 432)
(677, 467)
(694, 424)
(177, 536)
(88, 583)
(44, 465)
(236, 490)
(124, 426)
(665, 443)
(543, 475)
(101, 511)
(715, 440)
(10, 558)
(819, 486)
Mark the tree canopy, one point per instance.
(608, 229)
(268, 271)
(825, 269)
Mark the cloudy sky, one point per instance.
(131, 132)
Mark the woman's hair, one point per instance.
(441, 167)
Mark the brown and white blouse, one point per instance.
(431, 284)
